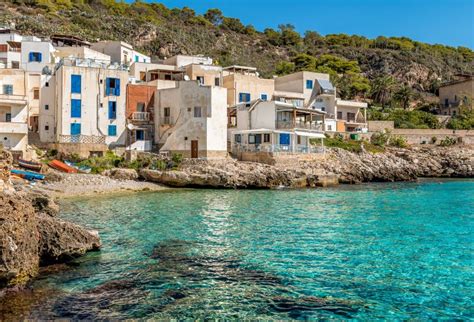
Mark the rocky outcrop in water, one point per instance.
(31, 235)
(339, 166)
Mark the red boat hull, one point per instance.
(61, 166)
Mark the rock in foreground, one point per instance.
(30, 238)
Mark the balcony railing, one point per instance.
(87, 139)
(14, 99)
(276, 148)
(167, 120)
(14, 127)
(140, 116)
(298, 125)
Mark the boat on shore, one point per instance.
(30, 165)
(61, 166)
(80, 169)
(28, 175)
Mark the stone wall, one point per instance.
(424, 136)
(84, 150)
(377, 126)
(276, 158)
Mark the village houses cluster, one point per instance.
(85, 98)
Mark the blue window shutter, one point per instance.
(247, 96)
(112, 131)
(117, 87)
(76, 84)
(30, 57)
(75, 108)
(112, 110)
(40, 57)
(75, 128)
(284, 139)
(241, 97)
(107, 86)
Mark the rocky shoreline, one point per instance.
(339, 166)
(31, 235)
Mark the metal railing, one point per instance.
(88, 139)
(167, 120)
(298, 125)
(276, 148)
(140, 116)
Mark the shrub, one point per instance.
(434, 139)
(177, 158)
(380, 138)
(447, 141)
(398, 141)
(98, 164)
(160, 165)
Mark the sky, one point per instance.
(448, 22)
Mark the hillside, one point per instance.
(162, 32)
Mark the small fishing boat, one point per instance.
(31, 165)
(81, 168)
(28, 175)
(61, 166)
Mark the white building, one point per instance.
(120, 52)
(273, 126)
(13, 110)
(83, 102)
(185, 60)
(192, 120)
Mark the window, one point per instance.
(36, 94)
(238, 138)
(217, 81)
(140, 107)
(339, 115)
(76, 84)
(266, 138)
(197, 111)
(323, 109)
(329, 127)
(112, 86)
(309, 84)
(112, 130)
(35, 57)
(446, 102)
(112, 110)
(8, 89)
(200, 80)
(46, 84)
(251, 139)
(264, 97)
(167, 77)
(75, 128)
(8, 117)
(298, 139)
(351, 116)
(167, 112)
(137, 59)
(140, 135)
(46, 127)
(244, 97)
(75, 108)
(15, 64)
(46, 107)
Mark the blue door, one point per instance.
(284, 139)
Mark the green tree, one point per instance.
(288, 35)
(214, 16)
(403, 96)
(273, 36)
(304, 62)
(284, 68)
(312, 39)
(382, 89)
(233, 24)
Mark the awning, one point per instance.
(311, 134)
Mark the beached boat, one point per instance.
(81, 169)
(28, 175)
(61, 166)
(31, 165)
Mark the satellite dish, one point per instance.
(186, 78)
(130, 126)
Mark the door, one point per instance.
(284, 139)
(194, 149)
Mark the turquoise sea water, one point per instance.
(377, 251)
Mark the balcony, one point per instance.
(13, 99)
(140, 116)
(13, 127)
(167, 120)
(286, 125)
(85, 139)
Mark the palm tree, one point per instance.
(403, 96)
(382, 89)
